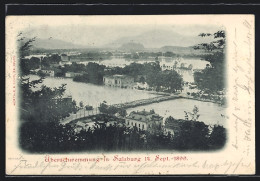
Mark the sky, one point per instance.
(99, 31)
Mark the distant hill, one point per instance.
(131, 46)
(175, 48)
(181, 50)
(157, 39)
(54, 44)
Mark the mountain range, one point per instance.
(148, 40)
(52, 43)
(157, 39)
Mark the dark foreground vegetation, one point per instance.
(51, 137)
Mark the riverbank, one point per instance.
(202, 100)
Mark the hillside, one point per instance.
(53, 44)
(132, 47)
(181, 50)
(157, 39)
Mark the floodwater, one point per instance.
(93, 95)
(210, 113)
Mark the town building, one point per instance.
(122, 81)
(65, 57)
(144, 120)
(141, 86)
(50, 73)
(165, 59)
(65, 100)
(167, 65)
(72, 74)
(115, 62)
(174, 65)
(62, 63)
(40, 56)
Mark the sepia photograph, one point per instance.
(122, 86)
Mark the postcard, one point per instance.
(130, 95)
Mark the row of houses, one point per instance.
(173, 65)
(50, 73)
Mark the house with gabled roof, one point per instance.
(144, 120)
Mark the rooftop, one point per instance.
(142, 116)
(143, 112)
(118, 76)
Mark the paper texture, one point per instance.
(236, 157)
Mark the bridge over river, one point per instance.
(82, 113)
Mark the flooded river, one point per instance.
(93, 95)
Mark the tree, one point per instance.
(194, 116)
(24, 49)
(81, 104)
(103, 107)
(170, 80)
(218, 44)
(213, 77)
(95, 73)
(192, 136)
(122, 112)
(110, 110)
(55, 58)
(175, 64)
(44, 104)
(217, 137)
(169, 54)
(24, 45)
(142, 80)
(169, 120)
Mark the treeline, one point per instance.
(168, 81)
(88, 54)
(148, 55)
(33, 63)
(52, 59)
(96, 72)
(51, 137)
(136, 69)
(96, 78)
(92, 72)
(93, 55)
